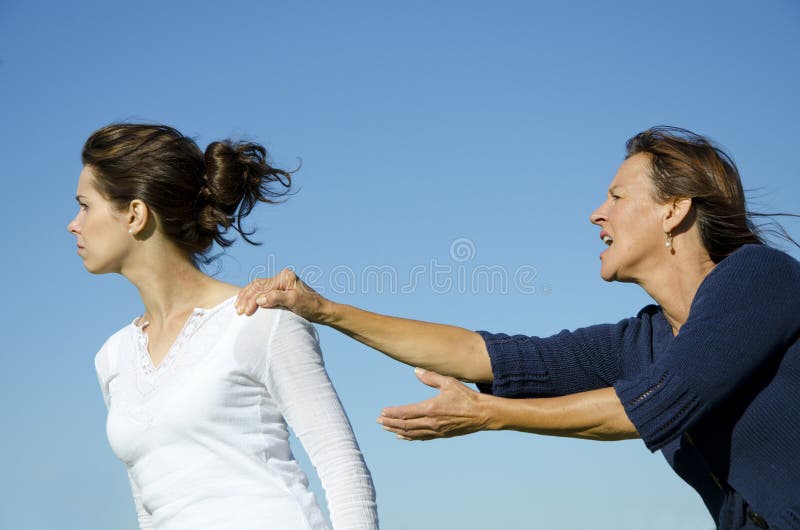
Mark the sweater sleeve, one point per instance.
(295, 376)
(102, 365)
(745, 314)
(565, 363)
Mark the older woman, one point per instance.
(709, 375)
(199, 402)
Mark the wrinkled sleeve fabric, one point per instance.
(296, 378)
(746, 313)
(102, 364)
(144, 517)
(568, 362)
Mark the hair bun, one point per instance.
(238, 176)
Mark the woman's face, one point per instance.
(101, 233)
(631, 223)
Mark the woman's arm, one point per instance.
(102, 368)
(449, 350)
(143, 516)
(296, 378)
(457, 410)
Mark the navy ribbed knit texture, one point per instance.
(722, 398)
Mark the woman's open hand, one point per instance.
(283, 290)
(456, 411)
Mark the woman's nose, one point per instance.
(597, 216)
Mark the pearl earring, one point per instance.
(668, 244)
(130, 230)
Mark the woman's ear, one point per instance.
(137, 215)
(675, 212)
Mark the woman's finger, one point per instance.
(419, 434)
(412, 428)
(246, 300)
(407, 412)
(245, 295)
(431, 378)
(273, 299)
(286, 280)
(262, 292)
(395, 425)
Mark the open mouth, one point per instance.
(607, 239)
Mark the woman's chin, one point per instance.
(607, 276)
(607, 272)
(89, 269)
(93, 268)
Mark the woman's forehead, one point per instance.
(86, 183)
(632, 173)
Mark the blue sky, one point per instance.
(455, 137)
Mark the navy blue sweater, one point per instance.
(721, 399)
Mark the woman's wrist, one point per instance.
(330, 313)
(492, 412)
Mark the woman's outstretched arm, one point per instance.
(448, 350)
(458, 410)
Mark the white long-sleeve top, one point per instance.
(204, 434)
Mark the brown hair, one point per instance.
(196, 196)
(684, 164)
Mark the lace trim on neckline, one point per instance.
(198, 316)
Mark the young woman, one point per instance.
(198, 400)
(709, 376)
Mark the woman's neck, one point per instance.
(169, 285)
(675, 285)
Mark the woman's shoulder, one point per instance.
(755, 263)
(105, 359)
(759, 255)
(751, 275)
(275, 328)
(271, 319)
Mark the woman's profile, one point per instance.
(199, 402)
